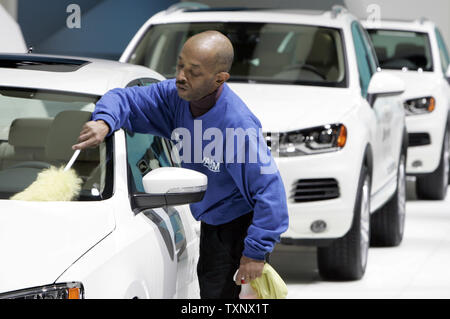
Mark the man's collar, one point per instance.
(208, 101)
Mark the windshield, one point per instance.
(397, 50)
(264, 52)
(37, 130)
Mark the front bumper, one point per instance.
(425, 158)
(337, 213)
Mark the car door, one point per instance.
(146, 152)
(384, 108)
(187, 284)
(393, 118)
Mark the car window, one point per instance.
(38, 129)
(365, 63)
(264, 52)
(443, 52)
(145, 152)
(142, 82)
(148, 81)
(371, 55)
(399, 50)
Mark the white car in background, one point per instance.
(11, 38)
(127, 235)
(334, 123)
(416, 52)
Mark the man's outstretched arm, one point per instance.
(147, 109)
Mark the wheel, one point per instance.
(434, 185)
(346, 257)
(387, 224)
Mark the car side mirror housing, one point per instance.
(384, 84)
(170, 186)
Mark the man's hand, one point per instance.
(249, 269)
(92, 134)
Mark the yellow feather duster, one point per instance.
(52, 184)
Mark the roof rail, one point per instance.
(336, 10)
(422, 20)
(185, 6)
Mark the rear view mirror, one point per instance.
(170, 186)
(384, 84)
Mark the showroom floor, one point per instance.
(416, 269)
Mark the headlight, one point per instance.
(421, 105)
(321, 139)
(71, 290)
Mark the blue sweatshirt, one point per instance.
(235, 186)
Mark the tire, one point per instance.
(346, 257)
(434, 185)
(387, 224)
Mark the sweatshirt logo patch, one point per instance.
(211, 164)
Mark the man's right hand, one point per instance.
(92, 134)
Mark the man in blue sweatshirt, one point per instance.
(244, 211)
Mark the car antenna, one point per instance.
(337, 10)
(422, 20)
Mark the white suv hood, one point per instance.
(282, 108)
(39, 241)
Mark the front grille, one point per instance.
(308, 190)
(419, 139)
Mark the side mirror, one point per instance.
(384, 84)
(170, 186)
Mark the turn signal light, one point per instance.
(74, 293)
(432, 104)
(342, 138)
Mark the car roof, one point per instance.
(339, 17)
(419, 25)
(65, 73)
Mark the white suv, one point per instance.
(334, 124)
(415, 51)
(128, 234)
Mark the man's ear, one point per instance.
(222, 77)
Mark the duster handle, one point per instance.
(72, 160)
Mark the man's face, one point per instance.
(196, 77)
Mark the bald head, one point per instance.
(215, 48)
(203, 65)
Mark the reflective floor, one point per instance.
(418, 268)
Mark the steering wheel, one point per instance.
(307, 67)
(31, 164)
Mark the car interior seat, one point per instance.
(21, 165)
(323, 56)
(413, 53)
(270, 60)
(64, 133)
(27, 136)
(381, 53)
